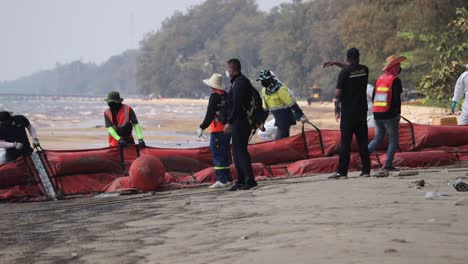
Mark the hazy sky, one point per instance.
(35, 34)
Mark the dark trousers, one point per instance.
(241, 131)
(13, 154)
(348, 129)
(282, 132)
(220, 144)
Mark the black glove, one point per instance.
(142, 143)
(123, 143)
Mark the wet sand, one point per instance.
(301, 220)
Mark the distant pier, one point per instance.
(45, 97)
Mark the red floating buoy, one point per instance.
(147, 173)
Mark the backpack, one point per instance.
(256, 115)
(222, 111)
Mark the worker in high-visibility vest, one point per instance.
(220, 142)
(280, 101)
(387, 108)
(120, 119)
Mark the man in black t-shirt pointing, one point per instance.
(351, 109)
(13, 135)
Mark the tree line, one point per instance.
(293, 39)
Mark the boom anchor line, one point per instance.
(50, 191)
(322, 148)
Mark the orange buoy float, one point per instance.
(147, 173)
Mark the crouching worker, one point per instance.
(119, 120)
(13, 135)
(279, 100)
(215, 118)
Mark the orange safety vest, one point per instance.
(216, 125)
(123, 119)
(383, 93)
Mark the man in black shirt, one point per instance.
(351, 109)
(239, 98)
(387, 108)
(13, 135)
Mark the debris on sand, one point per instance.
(433, 195)
(460, 186)
(107, 195)
(407, 173)
(382, 174)
(417, 183)
(462, 201)
(390, 251)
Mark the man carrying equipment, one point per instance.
(13, 135)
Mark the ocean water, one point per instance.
(89, 112)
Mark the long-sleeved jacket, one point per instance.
(239, 97)
(212, 113)
(280, 104)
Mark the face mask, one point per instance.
(266, 83)
(114, 106)
(228, 75)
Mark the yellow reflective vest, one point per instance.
(281, 99)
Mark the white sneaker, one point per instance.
(217, 185)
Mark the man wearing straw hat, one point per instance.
(387, 108)
(461, 90)
(13, 135)
(119, 120)
(216, 118)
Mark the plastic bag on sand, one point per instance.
(270, 131)
(433, 195)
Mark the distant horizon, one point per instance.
(41, 34)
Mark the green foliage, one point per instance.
(450, 49)
(189, 47)
(293, 40)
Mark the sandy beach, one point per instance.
(297, 220)
(301, 220)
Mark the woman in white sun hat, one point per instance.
(216, 118)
